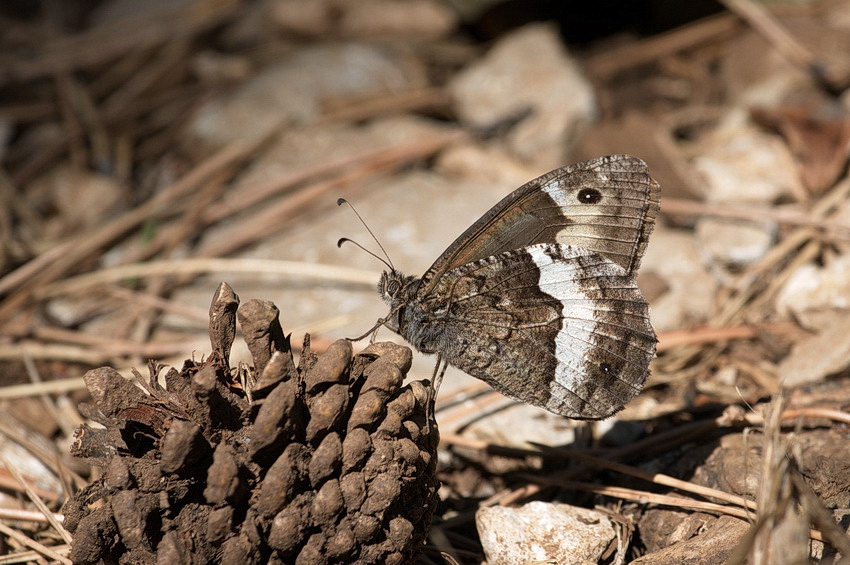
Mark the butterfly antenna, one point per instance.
(372, 253)
(388, 262)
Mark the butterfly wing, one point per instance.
(560, 327)
(607, 205)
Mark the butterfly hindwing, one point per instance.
(543, 325)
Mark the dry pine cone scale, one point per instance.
(330, 461)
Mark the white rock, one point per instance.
(736, 242)
(672, 256)
(816, 288)
(541, 531)
(816, 357)
(743, 164)
(528, 68)
(410, 19)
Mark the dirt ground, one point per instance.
(152, 150)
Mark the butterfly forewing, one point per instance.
(607, 205)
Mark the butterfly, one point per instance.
(538, 297)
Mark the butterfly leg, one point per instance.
(437, 377)
(436, 380)
(371, 333)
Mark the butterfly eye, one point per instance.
(589, 196)
(392, 287)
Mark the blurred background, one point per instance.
(150, 150)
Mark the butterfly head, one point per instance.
(396, 289)
(393, 286)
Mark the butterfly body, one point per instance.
(538, 298)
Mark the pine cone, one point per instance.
(330, 462)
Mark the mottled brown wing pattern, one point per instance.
(557, 326)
